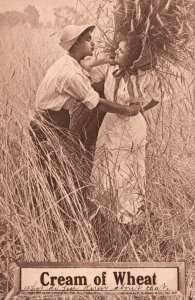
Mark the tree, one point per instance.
(11, 18)
(67, 15)
(31, 15)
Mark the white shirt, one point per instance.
(63, 84)
(140, 88)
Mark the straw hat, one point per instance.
(71, 33)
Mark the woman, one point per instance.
(119, 170)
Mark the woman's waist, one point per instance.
(116, 119)
(130, 101)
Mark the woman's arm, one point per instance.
(150, 89)
(150, 105)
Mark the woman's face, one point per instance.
(122, 55)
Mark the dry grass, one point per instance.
(37, 224)
(167, 25)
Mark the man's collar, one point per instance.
(72, 59)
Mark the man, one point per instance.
(65, 82)
(63, 85)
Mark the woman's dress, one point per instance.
(119, 166)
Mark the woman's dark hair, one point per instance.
(134, 44)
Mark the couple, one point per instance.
(121, 141)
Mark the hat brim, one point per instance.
(66, 45)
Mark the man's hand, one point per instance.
(99, 58)
(133, 109)
(104, 58)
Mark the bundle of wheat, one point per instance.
(166, 25)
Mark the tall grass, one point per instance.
(38, 224)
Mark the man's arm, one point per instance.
(96, 60)
(80, 88)
(111, 107)
(106, 105)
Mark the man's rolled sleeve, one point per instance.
(79, 87)
(92, 99)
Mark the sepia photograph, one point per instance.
(97, 165)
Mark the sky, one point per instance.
(44, 6)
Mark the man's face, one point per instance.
(86, 44)
(122, 55)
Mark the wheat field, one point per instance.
(32, 217)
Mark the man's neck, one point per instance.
(76, 56)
